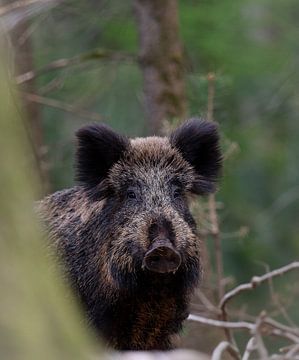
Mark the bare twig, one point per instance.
(255, 281)
(213, 216)
(232, 149)
(276, 301)
(260, 346)
(96, 54)
(241, 233)
(250, 347)
(285, 335)
(222, 347)
(62, 106)
(156, 355)
(241, 325)
(207, 303)
(52, 85)
(264, 324)
(293, 351)
(17, 5)
(275, 324)
(211, 95)
(215, 232)
(31, 28)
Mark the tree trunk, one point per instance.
(161, 61)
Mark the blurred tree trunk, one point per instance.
(23, 54)
(161, 61)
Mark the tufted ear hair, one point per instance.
(198, 142)
(99, 147)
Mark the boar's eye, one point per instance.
(177, 192)
(131, 195)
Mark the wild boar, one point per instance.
(125, 234)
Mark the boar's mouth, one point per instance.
(162, 258)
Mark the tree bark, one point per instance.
(161, 61)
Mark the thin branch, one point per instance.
(32, 27)
(96, 54)
(285, 335)
(256, 281)
(52, 85)
(250, 347)
(207, 303)
(260, 346)
(211, 95)
(213, 216)
(17, 5)
(267, 325)
(263, 326)
(276, 301)
(275, 324)
(241, 325)
(62, 106)
(241, 233)
(215, 231)
(293, 351)
(222, 347)
(155, 355)
(233, 148)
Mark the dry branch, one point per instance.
(250, 347)
(214, 222)
(260, 346)
(158, 355)
(238, 325)
(279, 326)
(284, 334)
(256, 281)
(96, 54)
(62, 106)
(18, 5)
(222, 347)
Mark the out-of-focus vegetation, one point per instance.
(252, 48)
(38, 319)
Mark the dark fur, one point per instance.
(198, 142)
(132, 192)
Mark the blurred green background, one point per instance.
(252, 48)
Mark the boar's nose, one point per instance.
(162, 257)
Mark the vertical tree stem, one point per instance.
(215, 231)
(161, 61)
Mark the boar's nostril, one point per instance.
(162, 259)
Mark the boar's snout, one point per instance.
(162, 257)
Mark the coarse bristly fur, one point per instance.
(130, 193)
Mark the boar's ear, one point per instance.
(198, 142)
(99, 147)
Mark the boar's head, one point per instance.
(145, 227)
